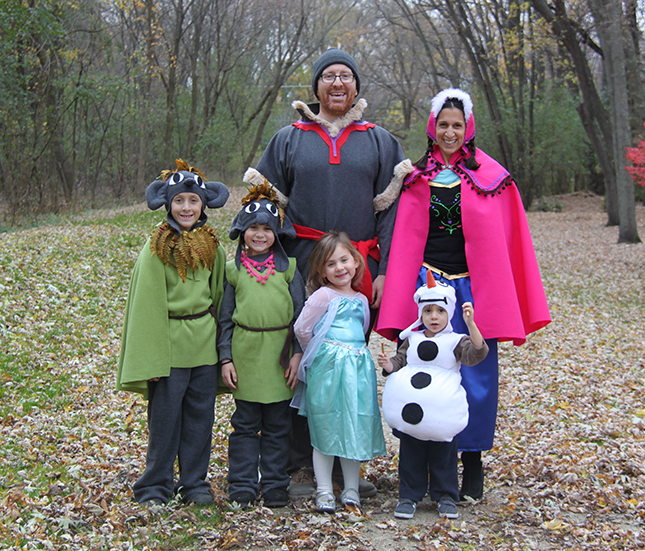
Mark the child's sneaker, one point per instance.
(447, 507)
(405, 508)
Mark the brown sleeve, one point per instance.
(399, 360)
(468, 354)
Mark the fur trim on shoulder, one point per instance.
(355, 114)
(383, 200)
(255, 178)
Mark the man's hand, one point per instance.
(377, 291)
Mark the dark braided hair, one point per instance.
(422, 163)
(470, 162)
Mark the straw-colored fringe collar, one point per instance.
(189, 249)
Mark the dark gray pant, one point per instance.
(260, 437)
(181, 411)
(420, 458)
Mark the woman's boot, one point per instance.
(472, 476)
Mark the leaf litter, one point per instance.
(567, 470)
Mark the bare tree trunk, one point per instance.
(52, 94)
(634, 67)
(594, 116)
(145, 104)
(224, 42)
(171, 83)
(609, 19)
(198, 18)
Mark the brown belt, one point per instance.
(284, 354)
(211, 310)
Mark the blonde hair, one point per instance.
(321, 254)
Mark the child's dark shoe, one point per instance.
(197, 498)
(243, 498)
(405, 508)
(447, 507)
(276, 497)
(153, 502)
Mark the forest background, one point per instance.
(98, 96)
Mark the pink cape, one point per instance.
(506, 285)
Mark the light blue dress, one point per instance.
(341, 397)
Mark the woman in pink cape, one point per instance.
(460, 217)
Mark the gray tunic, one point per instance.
(332, 177)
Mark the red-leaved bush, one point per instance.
(636, 156)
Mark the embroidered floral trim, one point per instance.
(449, 216)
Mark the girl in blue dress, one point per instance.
(337, 379)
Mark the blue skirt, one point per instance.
(480, 381)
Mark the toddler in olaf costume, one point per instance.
(424, 402)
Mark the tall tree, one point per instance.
(592, 112)
(610, 21)
(408, 55)
(608, 141)
(493, 36)
(298, 29)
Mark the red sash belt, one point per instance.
(365, 248)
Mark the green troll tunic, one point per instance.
(152, 343)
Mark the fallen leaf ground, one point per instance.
(567, 470)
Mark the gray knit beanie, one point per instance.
(331, 56)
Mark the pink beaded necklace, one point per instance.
(253, 268)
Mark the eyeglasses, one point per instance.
(329, 78)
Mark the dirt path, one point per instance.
(567, 470)
(558, 477)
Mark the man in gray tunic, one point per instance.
(335, 171)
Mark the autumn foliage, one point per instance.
(636, 156)
(567, 470)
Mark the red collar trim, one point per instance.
(334, 144)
